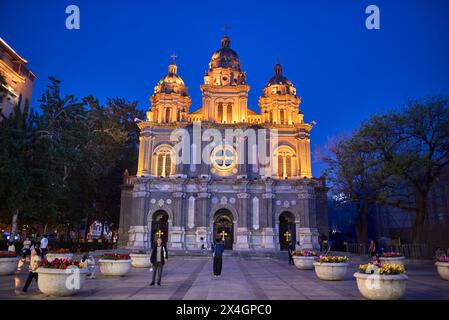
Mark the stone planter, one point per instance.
(381, 287)
(114, 267)
(8, 265)
(442, 268)
(140, 260)
(330, 271)
(304, 263)
(393, 260)
(52, 256)
(61, 283)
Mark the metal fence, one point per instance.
(411, 251)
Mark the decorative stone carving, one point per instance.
(243, 195)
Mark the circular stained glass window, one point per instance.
(224, 157)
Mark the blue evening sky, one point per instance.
(342, 71)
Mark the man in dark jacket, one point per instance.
(218, 257)
(158, 257)
(291, 251)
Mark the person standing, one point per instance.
(291, 251)
(34, 265)
(218, 250)
(11, 247)
(26, 251)
(44, 246)
(158, 258)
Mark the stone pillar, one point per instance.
(138, 231)
(242, 242)
(268, 232)
(308, 232)
(176, 230)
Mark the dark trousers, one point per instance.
(31, 276)
(218, 262)
(43, 253)
(157, 268)
(290, 259)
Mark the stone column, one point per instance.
(138, 231)
(268, 231)
(308, 232)
(201, 219)
(177, 230)
(242, 226)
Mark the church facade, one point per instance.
(223, 171)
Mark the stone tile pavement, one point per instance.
(190, 278)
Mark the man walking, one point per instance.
(218, 250)
(44, 246)
(158, 257)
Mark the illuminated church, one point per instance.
(212, 190)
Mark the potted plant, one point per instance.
(8, 263)
(61, 277)
(140, 259)
(115, 264)
(381, 281)
(304, 259)
(392, 258)
(60, 254)
(442, 265)
(332, 268)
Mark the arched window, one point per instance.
(229, 113)
(282, 116)
(220, 112)
(164, 161)
(167, 115)
(285, 162)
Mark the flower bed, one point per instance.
(304, 259)
(442, 265)
(8, 263)
(331, 268)
(140, 259)
(60, 254)
(392, 258)
(61, 277)
(381, 281)
(114, 264)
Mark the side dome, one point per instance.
(171, 83)
(279, 84)
(225, 57)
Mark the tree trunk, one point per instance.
(421, 212)
(15, 217)
(361, 223)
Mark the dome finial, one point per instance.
(172, 68)
(278, 69)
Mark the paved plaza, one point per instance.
(190, 278)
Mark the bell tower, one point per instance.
(225, 92)
(170, 101)
(279, 103)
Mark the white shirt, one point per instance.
(44, 243)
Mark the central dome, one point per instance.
(225, 57)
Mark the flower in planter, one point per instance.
(391, 255)
(332, 259)
(305, 253)
(444, 259)
(383, 269)
(115, 256)
(8, 255)
(61, 264)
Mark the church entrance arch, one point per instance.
(224, 228)
(287, 230)
(159, 227)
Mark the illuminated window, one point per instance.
(224, 158)
(285, 163)
(164, 163)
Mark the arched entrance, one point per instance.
(159, 227)
(224, 228)
(287, 230)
